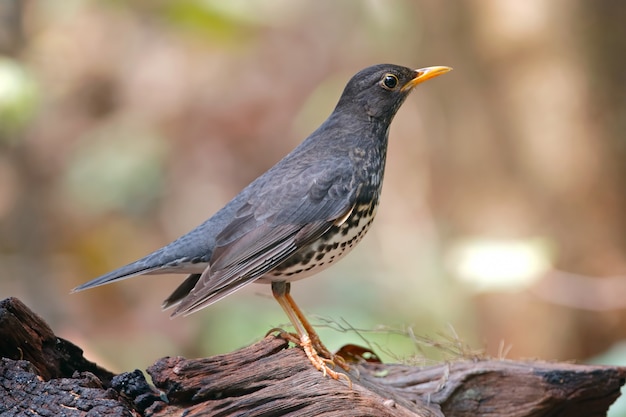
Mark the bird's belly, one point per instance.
(327, 250)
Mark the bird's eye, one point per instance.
(389, 81)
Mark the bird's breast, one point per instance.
(329, 248)
(342, 237)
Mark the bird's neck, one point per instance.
(364, 141)
(357, 135)
(370, 159)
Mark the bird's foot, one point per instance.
(320, 363)
(323, 351)
(285, 335)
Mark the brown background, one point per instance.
(125, 124)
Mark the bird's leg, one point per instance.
(316, 342)
(309, 340)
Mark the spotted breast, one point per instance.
(329, 248)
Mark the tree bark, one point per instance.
(46, 375)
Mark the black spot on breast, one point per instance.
(307, 258)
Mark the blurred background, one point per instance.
(502, 224)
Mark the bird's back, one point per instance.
(297, 190)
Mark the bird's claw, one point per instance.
(285, 335)
(327, 356)
(316, 352)
(320, 363)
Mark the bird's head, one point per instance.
(378, 91)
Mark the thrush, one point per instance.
(301, 216)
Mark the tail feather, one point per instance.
(128, 271)
(181, 291)
(188, 254)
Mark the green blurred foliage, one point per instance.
(209, 20)
(18, 98)
(116, 167)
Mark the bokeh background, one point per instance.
(502, 227)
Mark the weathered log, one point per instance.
(24, 335)
(40, 374)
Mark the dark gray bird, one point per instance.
(299, 217)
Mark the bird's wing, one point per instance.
(271, 226)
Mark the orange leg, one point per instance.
(309, 340)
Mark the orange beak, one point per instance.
(424, 74)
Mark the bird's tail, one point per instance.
(181, 291)
(131, 270)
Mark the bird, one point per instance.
(299, 217)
